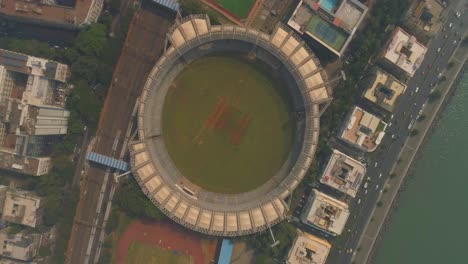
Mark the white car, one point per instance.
(359, 201)
(438, 50)
(380, 175)
(375, 165)
(416, 90)
(365, 185)
(377, 187)
(450, 25)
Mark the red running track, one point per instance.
(163, 235)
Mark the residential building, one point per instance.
(63, 14)
(363, 130)
(21, 207)
(326, 213)
(384, 89)
(308, 249)
(343, 173)
(21, 246)
(32, 95)
(331, 23)
(404, 51)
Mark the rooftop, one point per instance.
(20, 246)
(308, 249)
(22, 208)
(363, 129)
(32, 95)
(331, 23)
(405, 51)
(326, 213)
(384, 89)
(84, 11)
(343, 173)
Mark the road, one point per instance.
(143, 46)
(404, 114)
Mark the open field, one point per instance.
(139, 253)
(226, 125)
(239, 8)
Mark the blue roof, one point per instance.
(226, 252)
(107, 161)
(171, 4)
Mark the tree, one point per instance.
(114, 6)
(112, 221)
(134, 203)
(85, 68)
(421, 118)
(414, 132)
(92, 40)
(434, 96)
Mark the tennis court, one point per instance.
(326, 32)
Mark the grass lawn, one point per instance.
(139, 253)
(240, 8)
(226, 125)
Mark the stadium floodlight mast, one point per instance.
(117, 177)
(275, 242)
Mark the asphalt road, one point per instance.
(143, 46)
(404, 114)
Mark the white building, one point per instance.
(326, 213)
(363, 129)
(343, 173)
(21, 207)
(308, 249)
(405, 51)
(21, 246)
(31, 110)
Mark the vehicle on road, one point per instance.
(380, 175)
(359, 201)
(411, 124)
(438, 50)
(377, 187)
(450, 25)
(375, 164)
(365, 185)
(417, 89)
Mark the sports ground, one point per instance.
(145, 242)
(240, 8)
(226, 125)
(141, 253)
(326, 32)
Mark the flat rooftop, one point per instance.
(84, 11)
(363, 129)
(308, 249)
(330, 22)
(343, 173)
(384, 89)
(326, 213)
(405, 51)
